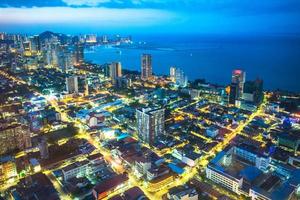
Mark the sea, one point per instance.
(275, 59)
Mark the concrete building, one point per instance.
(79, 53)
(212, 131)
(8, 168)
(243, 170)
(115, 72)
(72, 84)
(150, 124)
(14, 138)
(239, 77)
(178, 76)
(77, 169)
(183, 192)
(146, 67)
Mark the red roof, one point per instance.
(133, 193)
(110, 184)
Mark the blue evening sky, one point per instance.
(152, 16)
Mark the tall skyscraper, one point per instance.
(233, 93)
(146, 63)
(79, 53)
(83, 87)
(72, 84)
(178, 76)
(150, 124)
(115, 71)
(172, 73)
(239, 77)
(35, 44)
(65, 58)
(237, 85)
(27, 46)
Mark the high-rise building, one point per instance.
(72, 84)
(14, 138)
(65, 59)
(115, 72)
(237, 85)
(233, 93)
(52, 54)
(27, 46)
(35, 44)
(79, 53)
(178, 76)
(146, 63)
(83, 85)
(239, 77)
(253, 91)
(150, 124)
(172, 73)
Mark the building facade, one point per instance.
(146, 64)
(150, 124)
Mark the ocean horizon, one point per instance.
(276, 60)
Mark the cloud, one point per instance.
(85, 2)
(97, 16)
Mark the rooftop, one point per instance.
(110, 184)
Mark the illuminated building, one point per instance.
(8, 168)
(35, 44)
(83, 87)
(91, 165)
(2, 36)
(14, 137)
(146, 64)
(27, 46)
(150, 124)
(106, 187)
(115, 72)
(160, 182)
(123, 82)
(141, 167)
(239, 77)
(72, 84)
(178, 76)
(187, 157)
(172, 73)
(79, 53)
(104, 39)
(91, 38)
(77, 169)
(183, 192)
(244, 169)
(212, 131)
(65, 58)
(35, 165)
(52, 54)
